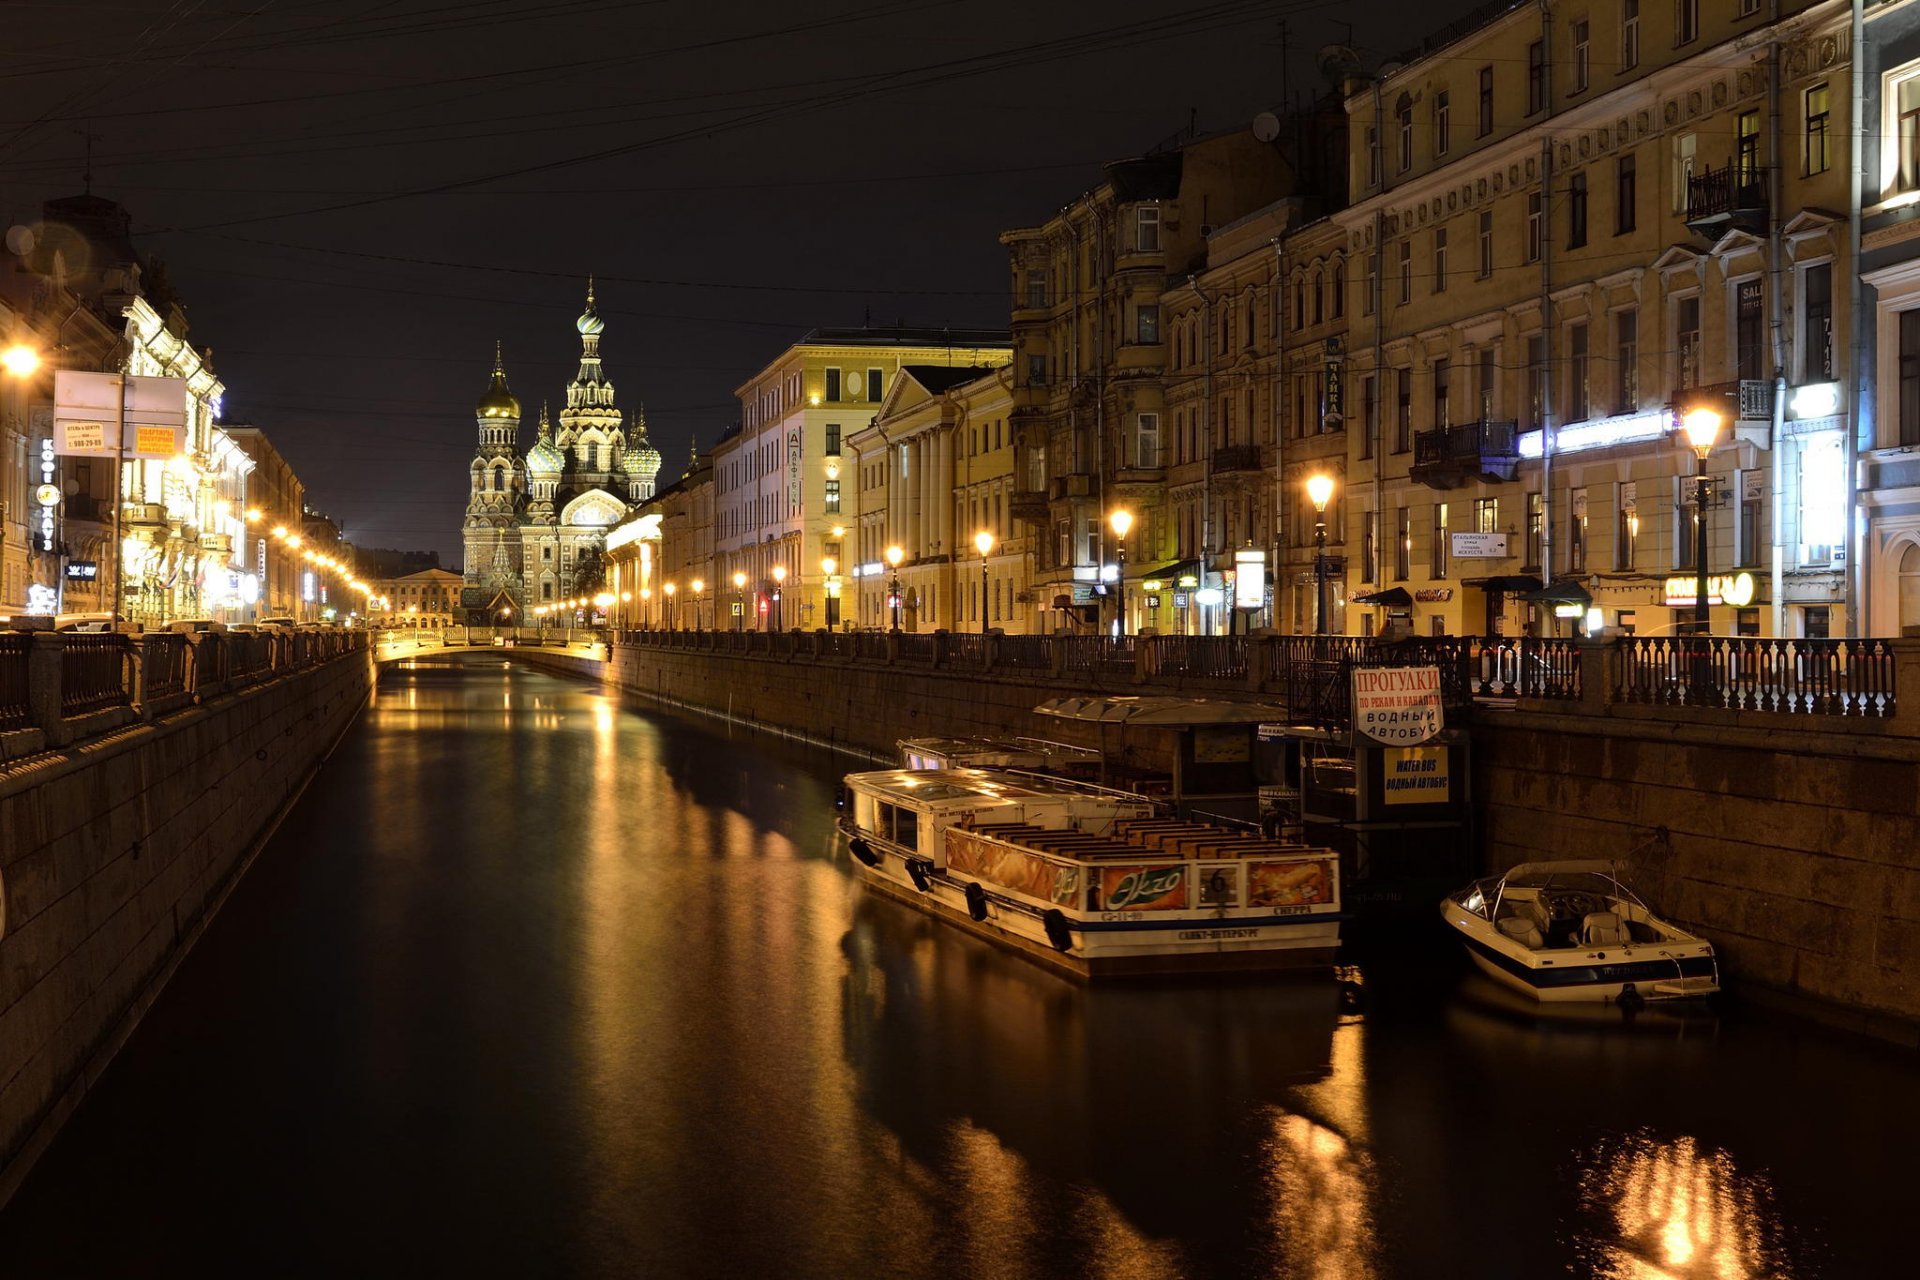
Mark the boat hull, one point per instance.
(1119, 949)
(1628, 973)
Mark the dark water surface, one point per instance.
(532, 983)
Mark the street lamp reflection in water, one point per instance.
(1679, 1210)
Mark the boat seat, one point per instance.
(1522, 930)
(1603, 929)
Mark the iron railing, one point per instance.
(166, 662)
(94, 672)
(15, 649)
(1791, 677)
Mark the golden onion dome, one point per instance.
(497, 401)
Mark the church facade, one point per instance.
(536, 522)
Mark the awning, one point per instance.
(1391, 598)
(1160, 712)
(1170, 573)
(1510, 582)
(1565, 591)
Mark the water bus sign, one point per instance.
(1397, 706)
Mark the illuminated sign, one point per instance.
(1815, 400)
(83, 570)
(1415, 775)
(1249, 578)
(1735, 589)
(1601, 433)
(49, 495)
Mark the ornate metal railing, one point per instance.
(1197, 657)
(1793, 677)
(914, 646)
(14, 651)
(967, 651)
(93, 672)
(1023, 653)
(166, 662)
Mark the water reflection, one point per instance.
(1679, 1211)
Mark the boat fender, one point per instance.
(976, 901)
(1055, 923)
(918, 871)
(863, 851)
(1630, 998)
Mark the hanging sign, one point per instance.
(1479, 546)
(1415, 775)
(1397, 706)
(86, 407)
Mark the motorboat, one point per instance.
(1089, 880)
(1573, 930)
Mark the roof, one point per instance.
(1146, 177)
(941, 377)
(1459, 29)
(907, 336)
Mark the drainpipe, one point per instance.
(1856, 410)
(1206, 433)
(1776, 436)
(1546, 303)
(1377, 436)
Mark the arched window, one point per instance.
(1319, 295)
(1337, 305)
(1910, 587)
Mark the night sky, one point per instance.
(354, 198)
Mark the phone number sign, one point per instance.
(1397, 706)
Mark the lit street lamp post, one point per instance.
(1122, 522)
(894, 556)
(984, 541)
(1702, 427)
(779, 591)
(828, 567)
(739, 600)
(1319, 491)
(698, 585)
(669, 589)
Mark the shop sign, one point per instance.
(1734, 589)
(1415, 775)
(1143, 888)
(83, 570)
(1179, 599)
(1479, 546)
(1433, 595)
(1397, 706)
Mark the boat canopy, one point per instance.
(1161, 712)
(928, 787)
(1527, 872)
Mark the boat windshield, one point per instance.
(1599, 879)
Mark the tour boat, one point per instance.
(1089, 880)
(1035, 754)
(1564, 931)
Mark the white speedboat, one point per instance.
(1574, 931)
(1088, 880)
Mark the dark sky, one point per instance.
(356, 197)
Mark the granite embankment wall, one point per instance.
(1792, 841)
(116, 849)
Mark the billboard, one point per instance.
(88, 408)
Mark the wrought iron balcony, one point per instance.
(1449, 457)
(1076, 485)
(1730, 196)
(1236, 457)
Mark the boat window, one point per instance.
(906, 828)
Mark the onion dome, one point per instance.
(545, 457)
(589, 321)
(498, 402)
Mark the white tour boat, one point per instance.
(1562, 931)
(1093, 881)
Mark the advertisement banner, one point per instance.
(1013, 869)
(82, 438)
(1143, 888)
(1397, 706)
(157, 442)
(1415, 775)
(1297, 882)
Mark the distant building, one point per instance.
(429, 598)
(536, 522)
(275, 492)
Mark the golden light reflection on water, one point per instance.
(1322, 1200)
(1679, 1212)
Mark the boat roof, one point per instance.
(932, 786)
(1160, 711)
(959, 745)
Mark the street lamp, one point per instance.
(1122, 523)
(669, 589)
(983, 540)
(779, 583)
(1319, 492)
(739, 599)
(894, 556)
(698, 586)
(1703, 428)
(828, 567)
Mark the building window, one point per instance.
(1748, 8)
(1369, 548)
(1337, 304)
(1751, 483)
(1746, 155)
(1437, 560)
(833, 496)
(1373, 156)
(1319, 305)
(1036, 371)
(1442, 119)
(1403, 411)
(1299, 302)
(1626, 527)
(876, 384)
(833, 385)
(1625, 194)
(833, 440)
(1439, 259)
(1626, 361)
(1577, 533)
(1486, 515)
(1630, 35)
(1910, 377)
(1686, 341)
(1486, 243)
(1402, 544)
(1372, 284)
(1406, 272)
(1442, 397)
(1036, 289)
(1147, 325)
(1683, 156)
(1686, 520)
(1904, 91)
(1146, 439)
(1403, 113)
(1536, 77)
(1577, 211)
(1819, 129)
(1486, 101)
(1488, 374)
(1686, 21)
(1579, 406)
(1537, 381)
(1533, 227)
(1747, 329)
(1369, 414)
(1817, 334)
(1580, 56)
(1146, 228)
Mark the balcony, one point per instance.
(1077, 485)
(1449, 457)
(1730, 196)
(1028, 504)
(1236, 457)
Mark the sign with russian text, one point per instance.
(1479, 546)
(1735, 589)
(1415, 775)
(83, 438)
(88, 406)
(1397, 706)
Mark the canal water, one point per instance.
(535, 983)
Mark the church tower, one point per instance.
(494, 496)
(590, 434)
